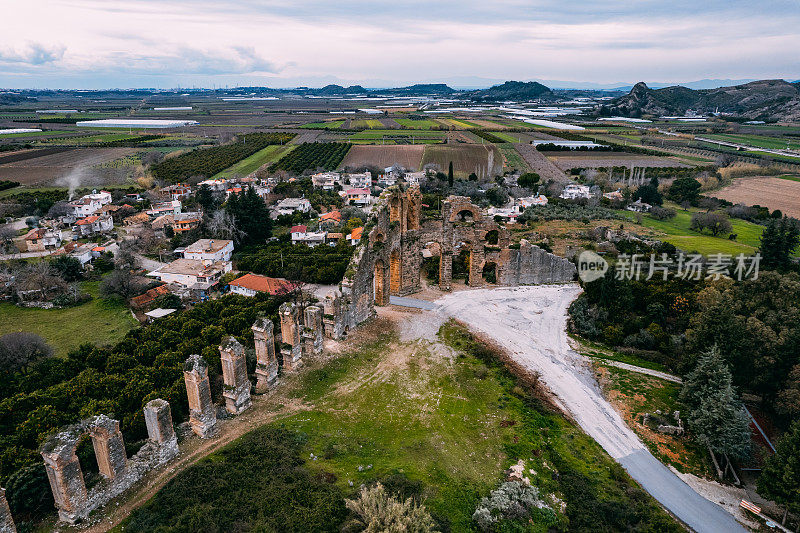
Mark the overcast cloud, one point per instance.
(167, 43)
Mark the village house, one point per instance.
(413, 178)
(92, 225)
(360, 197)
(614, 195)
(161, 223)
(355, 236)
(289, 206)
(186, 221)
(81, 252)
(147, 298)
(330, 219)
(175, 192)
(573, 191)
(359, 181)
(192, 275)
(214, 185)
(173, 207)
(639, 206)
(252, 284)
(539, 200)
(506, 213)
(209, 251)
(300, 234)
(138, 218)
(326, 180)
(41, 239)
(87, 204)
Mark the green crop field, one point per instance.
(418, 124)
(512, 159)
(398, 136)
(32, 134)
(760, 141)
(373, 124)
(677, 232)
(246, 166)
(508, 137)
(98, 321)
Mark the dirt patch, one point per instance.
(540, 164)
(483, 160)
(49, 168)
(775, 193)
(361, 155)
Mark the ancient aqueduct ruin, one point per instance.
(387, 262)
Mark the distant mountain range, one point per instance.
(757, 100)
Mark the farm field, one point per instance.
(772, 192)
(247, 166)
(540, 164)
(417, 124)
(758, 140)
(33, 134)
(458, 123)
(372, 123)
(98, 321)
(48, 168)
(397, 137)
(382, 156)
(512, 159)
(568, 160)
(328, 125)
(466, 158)
(488, 124)
(676, 232)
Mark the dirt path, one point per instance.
(530, 323)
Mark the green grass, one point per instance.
(758, 140)
(32, 134)
(372, 123)
(789, 177)
(248, 165)
(678, 233)
(508, 137)
(97, 321)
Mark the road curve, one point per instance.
(530, 322)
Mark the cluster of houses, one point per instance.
(574, 191)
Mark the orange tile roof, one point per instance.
(356, 233)
(87, 220)
(331, 215)
(266, 284)
(148, 297)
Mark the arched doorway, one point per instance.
(492, 237)
(465, 215)
(489, 272)
(462, 261)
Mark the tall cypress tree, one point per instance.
(780, 478)
(450, 174)
(778, 241)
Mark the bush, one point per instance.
(379, 511)
(513, 502)
(662, 213)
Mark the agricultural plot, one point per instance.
(773, 192)
(78, 162)
(408, 156)
(489, 124)
(326, 156)
(247, 166)
(540, 164)
(568, 160)
(417, 124)
(397, 137)
(372, 124)
(774, 143)
(483, 160)
(512, 160)
(330, 125)
(458, 123)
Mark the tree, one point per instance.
(68, 268)
(716, 415)
(221, 225)
(716, 223)
(648, 194)
(780, 478)
(473, 176)
(450, 174)
(250, 215)
(21, 349)
(684, 190)
(120, 283)
(778, 241)
(528, 180)
(205, 198)
(497, 196)
(59, 209)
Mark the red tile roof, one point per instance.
(356, 233)
(259, 283)
(299, 229)
(148, 297)
(331, 215)
(87, 220)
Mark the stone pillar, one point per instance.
(332, 317)
(266, 361)
(313, 327)
(234, 374)
(109, 448)
(66, 482)
(291, 346)
(446, 270)
(158, 418)
(202, 415)
(6, 520)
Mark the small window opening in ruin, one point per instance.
(492, 237)
(465, 216)
(490, 272)
(461, 263)
(88, 460)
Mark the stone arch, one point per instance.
(64, 469)
(395, 272)
(465, 215)
(380, 284)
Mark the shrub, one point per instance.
(512, 501)
(378, 511)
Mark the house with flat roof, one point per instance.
(573, 191)
(289, 206)
(252, 284)
(192, 275)
(186, 221)
(360, 197)
(209, 250)
(41, 239)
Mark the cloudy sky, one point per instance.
(170, 43)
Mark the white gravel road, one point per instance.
(530, 322)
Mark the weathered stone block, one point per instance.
(266, 361)
(6, 520)
(202, 414)
(234, 374)
(291, 345)
(313, 327)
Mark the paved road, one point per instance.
(530, 322)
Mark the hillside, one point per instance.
(763, 100)
(418, 89)
(513, 90)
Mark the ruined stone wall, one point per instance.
(530, 265)
(234, 375)
(6, 520)
(266, 360)
(202, 413)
